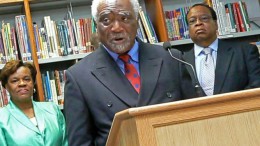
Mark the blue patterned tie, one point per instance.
(207, 72)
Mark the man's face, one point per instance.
(202, 28)
(117, 25)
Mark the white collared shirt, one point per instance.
(199, 56)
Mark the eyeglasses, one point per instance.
(202, 18)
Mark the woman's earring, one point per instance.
(34, 90)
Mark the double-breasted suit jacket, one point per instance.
(237, 66)
(96, 89)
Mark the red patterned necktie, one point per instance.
(130, 72)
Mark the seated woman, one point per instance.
(23, 121)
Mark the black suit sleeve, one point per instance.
(80, 126)
(253, 66)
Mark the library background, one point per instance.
(55, 34)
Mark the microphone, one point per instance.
(167, 46)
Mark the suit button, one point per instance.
(169, 95)
(109, 104)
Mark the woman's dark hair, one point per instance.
(12, 66)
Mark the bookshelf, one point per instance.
(156, 9)
(63, 58)
(57, 10)
(35, 10)
(255, 33)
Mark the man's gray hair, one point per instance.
(95, 4)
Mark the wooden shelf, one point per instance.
(63, 58)
(228, 36)
(39, 5)
(241, 34)
(10, 2)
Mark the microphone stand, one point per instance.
(197, 86)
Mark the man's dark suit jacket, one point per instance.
(237, 67)
(96, 89)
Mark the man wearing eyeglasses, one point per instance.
(221, 65)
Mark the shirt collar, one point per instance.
(198, 49)
(133, 52)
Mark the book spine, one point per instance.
(244, 15)
(45, 92)
(2, 52)
(146, 27)
(26, 38)
(232, 17)
(240, 18)
(48, 87)
(236, 17)
(53, 88)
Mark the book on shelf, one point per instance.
(22, 35)
(62, 80)
(44, 86)
(147, 26)
(140, 32)
(2, 52)
(37, 40)
(240, 18)
(48, 87)
(53, 87)
(58, 87)
(238, 28)
(153, 33)
(8, 44)
(53, 84)
(4, 95)
(60, 38)
(232, 17)
(177, 25)
(14, 43)
(242, 6)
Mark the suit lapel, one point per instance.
(150, 67)
(109, 74)
(21, 117)
(224, 57)
(39, 114)
(190, 58)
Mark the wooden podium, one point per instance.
(231, 119)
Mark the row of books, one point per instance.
(4, 96)
(146, 30)
(176, 23)
(8, 43)
(65, 38)
(52, 39)
(232, 17)
(53, 84)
